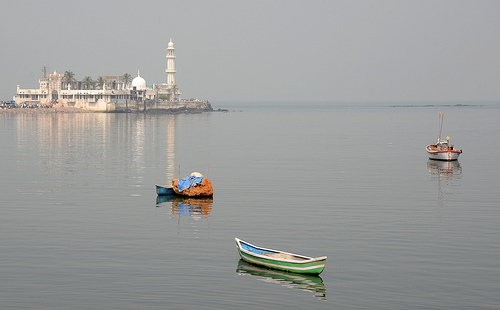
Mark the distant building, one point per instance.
(114, 94)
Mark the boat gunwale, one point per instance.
(305, 260)
(443, 151)
(164, 186)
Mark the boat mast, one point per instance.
(441, 118)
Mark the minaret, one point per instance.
(170, 65)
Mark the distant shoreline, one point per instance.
(54, 110)
(44, 110)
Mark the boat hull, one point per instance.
(296, 263)
(447, 155)
(438, 152)
(164, 190)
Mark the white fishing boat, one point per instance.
(442, 149)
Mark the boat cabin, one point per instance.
(444, 145)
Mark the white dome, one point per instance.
(139, 83)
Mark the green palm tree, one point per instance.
(69, 78)
(100, 82)
(88, 83)
(126, 78)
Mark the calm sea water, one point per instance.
(81, 226)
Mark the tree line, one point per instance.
(88, 82)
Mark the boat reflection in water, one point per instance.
(161, 200)
(187, 206)
(445, 173)
(309, 283)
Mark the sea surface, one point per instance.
(81, 226)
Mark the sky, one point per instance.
(264, 50)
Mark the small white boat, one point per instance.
(442, 149)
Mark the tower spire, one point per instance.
(170, 70)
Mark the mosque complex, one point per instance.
(117, 94)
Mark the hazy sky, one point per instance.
(348, 50)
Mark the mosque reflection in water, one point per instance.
(310, 283)
(446, 174)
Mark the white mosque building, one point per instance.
(115, 93)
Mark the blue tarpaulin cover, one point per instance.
(188, 182)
